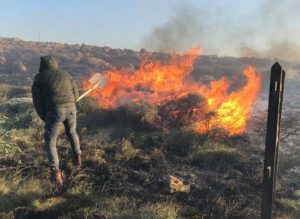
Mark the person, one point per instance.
(54, 94)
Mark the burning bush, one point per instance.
(182, 102)
(184, 111)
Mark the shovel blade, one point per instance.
(98, 79)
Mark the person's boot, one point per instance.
(77, 160)
(57, 177)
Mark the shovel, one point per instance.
(98, 81)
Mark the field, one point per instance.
(129, 162)
(139, 160)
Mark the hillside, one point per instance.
(138, 162)
(19, 61)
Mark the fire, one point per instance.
(232, 113)
(158, 82)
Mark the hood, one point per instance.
(47, 63)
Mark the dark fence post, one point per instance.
(272, 139)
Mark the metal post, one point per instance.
(272, 139)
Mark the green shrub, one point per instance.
(181, 143)
(219, 157)
(147, 140)
(8, 143)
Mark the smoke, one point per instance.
(270, 30)
(292, 74)
(285, 50)
(179, 33)
(277, 31)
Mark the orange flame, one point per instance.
(160, 81)
(232, 113)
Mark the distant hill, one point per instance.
(19, 61)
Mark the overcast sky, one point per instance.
(223, 27)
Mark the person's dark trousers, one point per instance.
(65, 114)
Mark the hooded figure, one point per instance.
(54, 94)
(52, 87)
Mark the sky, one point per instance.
(223, 27)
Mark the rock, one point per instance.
(175, 185)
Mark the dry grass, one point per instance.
(16, 192)
(123, 177)
(219, 156)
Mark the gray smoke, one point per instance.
(275, 50)
(292, 74)
(179, 33)
(268, 32)
(276, 27)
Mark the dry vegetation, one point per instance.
(128, 155)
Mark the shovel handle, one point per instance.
(84, 94)
(88, 91)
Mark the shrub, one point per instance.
(219, 157)
(16, 92)
(181, 143)
(10, 91)
(88, 105)
(183, 112)
(147, 141)
(8, 144)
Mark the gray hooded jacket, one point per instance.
(52, 87)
